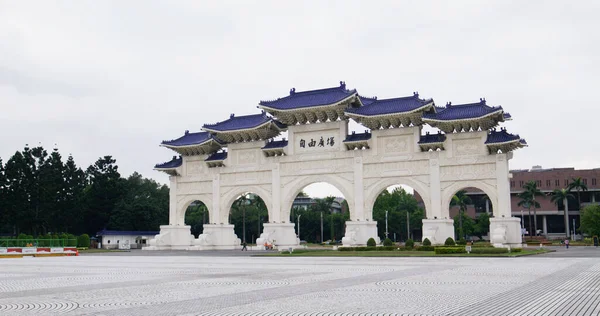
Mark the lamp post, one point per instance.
(259, 220)
(321, 226)
(407, 225)
(386, 224)
(299, 226)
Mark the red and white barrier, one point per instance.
(69, 251)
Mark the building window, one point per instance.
(548, 183)
(594, 181)
(585, 181)
(538, 183)
(512, 184)
(557, 183)
(520, 184)
(566, 182)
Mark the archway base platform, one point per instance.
(438, 230)
(178, 237)
(358, 233)
(506, 232)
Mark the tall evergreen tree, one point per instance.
(103, 193)
(73, 194)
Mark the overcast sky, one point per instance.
(118, 77)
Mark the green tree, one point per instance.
(577, 185)
(143, 206)
(469, 226)
(590, 220)
(196, 216)
(563, 195)
(461, 200)
(4, 217)
(527, 200)
(248, 212)
(102, 194)
(398, 203)
(482, 225)
(73, 197)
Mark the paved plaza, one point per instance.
(141, 284)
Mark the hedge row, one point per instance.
(449, 250)
(489, 250)
(425, 248)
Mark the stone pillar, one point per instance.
(215, 211)
(173, 201)
(359, 190)
(275, 214)
(487, 205)
(435, 191)
(544, 225)
(505, 230)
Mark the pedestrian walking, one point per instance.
(567, 243)
(244, 246)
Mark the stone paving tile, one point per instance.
(203, 285)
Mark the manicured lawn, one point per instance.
(333, 253)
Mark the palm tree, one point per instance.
(577, 185)
(528, 200)
(563, 195)
(461, 199)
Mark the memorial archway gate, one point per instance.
(239, 155)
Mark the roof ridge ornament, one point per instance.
(232, 115)
(448, 104)
(416, 94)
(292, 91)
(343, 84)
(187, 132)
(482, 100)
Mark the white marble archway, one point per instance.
(451, 190)
(185, 202)
(230, 197)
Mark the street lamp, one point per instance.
(321, 226)
(386, 224)
(407, 225)
(522, 227)
(299, 226)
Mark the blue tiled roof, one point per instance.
(217, 156)
(310, 98)
(462, 111)
(372, 106)
(276, 144)
(174, 163)
(507, 116)
(126, 233)
(242, 122)
(501, 136)
(432, 138)
(357, 137)
(191, 139)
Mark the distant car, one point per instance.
(303, 242)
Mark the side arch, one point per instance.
(291, 190)
(373, 192)
(183, 202)
(230, 197)
(451, 190)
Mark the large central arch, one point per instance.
(293, 188)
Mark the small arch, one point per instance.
(451, 190)
(292, 189)
(231, 196)
(187, 201)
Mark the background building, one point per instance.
(550, 215)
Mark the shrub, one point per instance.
(461, 242)
(409, 244)
(332, 243)
(426, 248)
(83, 240)
(427, 242)
(449, 250)
(345, 249)
(484, 250)
(516, 249)
(388, 242)
(371, 242)
(482, 244)
(449, 242)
